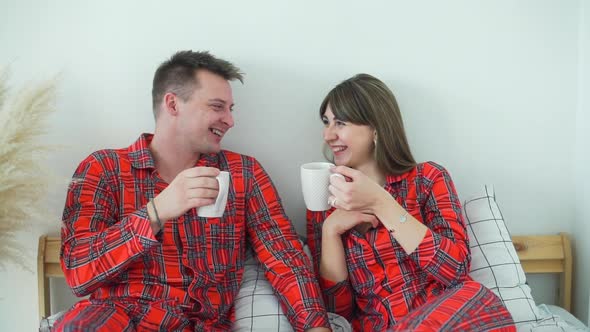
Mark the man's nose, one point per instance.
(228, 119)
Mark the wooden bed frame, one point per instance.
(548, 254)
(537, 253)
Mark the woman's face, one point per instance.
(351, 144)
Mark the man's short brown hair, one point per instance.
(178, 74)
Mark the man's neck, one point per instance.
(170, 157)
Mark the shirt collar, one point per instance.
(140, 154)
(141, 157)
(391, 179)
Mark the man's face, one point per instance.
(206, 116)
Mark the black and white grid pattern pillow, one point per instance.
(257, 308)
(494, 261)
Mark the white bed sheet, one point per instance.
(554, 319)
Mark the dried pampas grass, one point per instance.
(23, 182)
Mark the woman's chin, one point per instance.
(340, 162)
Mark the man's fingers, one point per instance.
(202, 193)
(202, 182)
(201, 171)
(198, 202)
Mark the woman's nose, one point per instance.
(329, 133)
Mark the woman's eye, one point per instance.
(340, 123)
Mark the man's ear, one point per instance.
(171, 103)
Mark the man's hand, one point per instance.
(191, 188)
(318, 329)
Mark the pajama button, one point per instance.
(197, 307)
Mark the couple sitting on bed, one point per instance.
(391, 253)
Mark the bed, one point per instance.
(537, 254)
(499, 261)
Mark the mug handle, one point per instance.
(218, 199)
(337, 175)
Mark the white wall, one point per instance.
(582, 160)
(488, 89)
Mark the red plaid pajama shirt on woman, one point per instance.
(428, 290)
(188, 278)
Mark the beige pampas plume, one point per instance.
(23, 182)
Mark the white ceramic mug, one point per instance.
(216, 209)
(315, 179)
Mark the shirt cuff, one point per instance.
(139, 223)
(333, 288)
(313, 319)
(426, 250)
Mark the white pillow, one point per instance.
(258, 309)
(494, 261)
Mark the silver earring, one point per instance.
(375, 147)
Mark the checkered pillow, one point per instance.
(494, 261)
(258, 309)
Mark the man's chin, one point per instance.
(213, 149)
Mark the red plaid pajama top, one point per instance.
(431, 285)
(109, 250)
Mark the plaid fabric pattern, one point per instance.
(109, 250)
(385, 284)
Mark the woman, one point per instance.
(393, 251)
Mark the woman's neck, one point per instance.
(372, 171)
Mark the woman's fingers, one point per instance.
(346, 171)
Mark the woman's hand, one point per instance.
(341, 221)
(361, 193)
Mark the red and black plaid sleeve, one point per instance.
(278, 247)
(339, 297)
(444, 251)
(98, 245)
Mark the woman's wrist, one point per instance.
(383, 203)
(329, 231)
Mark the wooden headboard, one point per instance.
(548, 254)
(48, 266)
(537, 253)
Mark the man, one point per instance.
(132, 239)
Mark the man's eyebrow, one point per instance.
(218, 100)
